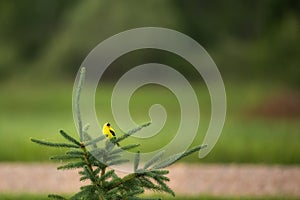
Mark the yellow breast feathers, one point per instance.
(108, 131)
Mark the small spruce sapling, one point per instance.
(104, 183)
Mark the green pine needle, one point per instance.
(133, 131)
(117, 162)
(66, 157)
(128, 147)
(72, 165)
(68, 137)
(77, 99)
(86, 127)
(94, 141)
(136, 161)
(89, 173)
(53, 144)
(163, 185)
(75, 153)
(174, 158)
(153, 160)
(107, 175)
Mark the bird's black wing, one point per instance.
(112, 132)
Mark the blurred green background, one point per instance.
(255, 44)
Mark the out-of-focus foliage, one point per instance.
(93, 21)
(26, 28)
(254, 39)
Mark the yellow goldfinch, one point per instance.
(109, 132)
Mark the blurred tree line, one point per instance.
(249, 40)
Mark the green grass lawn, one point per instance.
(41, 110)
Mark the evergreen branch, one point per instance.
(96, 171)
(94, 141)
(98, 152)
(135, 192)
(169, 161)
(133, 131)
(77, 99)
(146, 183)
(141, 177)
(86, 135)
(88, 138)
(110, 144)
(80, 195)
(87, 192)
(103, 173)
(113, 191)
(52, 144)
(66, 157)
(106, 185)
(113, 157)
(99, 164)
(86, 127)
(83, 178)
(72, 165)
(107, 175)
(136, 161)
(174, 158)
(153, 160)
(193, 150)
(75, 153)
(87, 158)
(127, 147)
(165, 187)
(160, 171)
(130, 146)
(164, 178)
(123, 180)
(68, 137)
(89, 174)
(161, 182)
(117, 162)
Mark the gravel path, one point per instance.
(237, 180)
